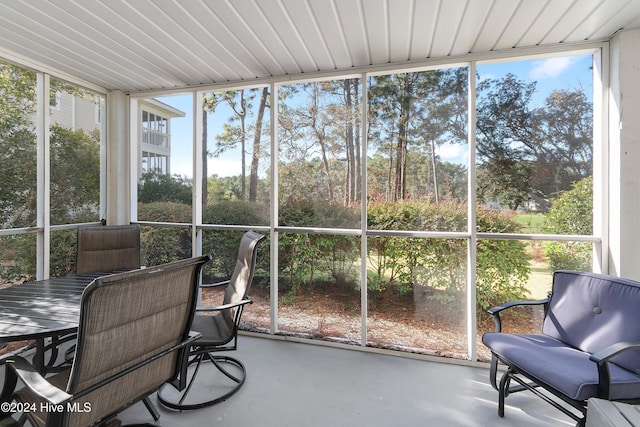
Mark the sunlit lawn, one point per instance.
(531, 223)
(539, 283)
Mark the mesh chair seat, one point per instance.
(215, 330)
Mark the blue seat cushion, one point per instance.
(566, 369)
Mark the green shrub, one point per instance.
(571, 213)
(160, 245)
(223, 244)
(440, 263)
(305, 258)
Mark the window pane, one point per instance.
(319, 286)
(417, 145)
(17, 147)
(165, 167)
(237, 167)
(75, 139)
(319, 162)
(535, 142)
(417, 295)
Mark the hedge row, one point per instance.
(397, 264)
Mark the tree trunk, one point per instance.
(255, 159)
(243, 142)
(319, 133)
(400, 179)
(435, 175)
(358, 171)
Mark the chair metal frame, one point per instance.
(601, 358)
(202, 350)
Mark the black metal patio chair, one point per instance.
(219, 333)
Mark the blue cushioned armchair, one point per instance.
(589, 345)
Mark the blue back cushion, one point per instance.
(591, 312)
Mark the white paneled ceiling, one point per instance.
(135, 45)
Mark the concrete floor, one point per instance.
(301, 384)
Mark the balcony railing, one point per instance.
(156, 138)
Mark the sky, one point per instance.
(551, 73)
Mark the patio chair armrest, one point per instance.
(215, 285)
(605, 354)
(19, 367)
(495, 311)
(194, 336)
(226, 306)
(602, 358)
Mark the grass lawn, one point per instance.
(539, 283)
(531, 223)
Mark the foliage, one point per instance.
(75, 181)
(415, 112)
(75, 158)
(160, 244)
(440, 264)
(502, 265)
(571, 213)
(156, 186)
(223, 244)
(529, 152)
(17, 147)
(308, 257)
(319, 135)
(245, 119)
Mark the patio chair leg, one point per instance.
(493, 371)
(151, 408)
(503, 391)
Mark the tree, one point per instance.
(571, 213)
(75, 181)
(156, 186)
(318, 133)
(17, 147)
(419, 109)
(74, 174)
(75, 158)
(235, 131)
(255, 157)
(531, 152)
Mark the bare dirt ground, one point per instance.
(397, 322)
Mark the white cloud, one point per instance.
(550, 68)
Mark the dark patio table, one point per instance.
(42, 309)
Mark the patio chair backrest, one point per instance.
(127, 318)
(240, 282)
(108, 248)
(590, 312)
